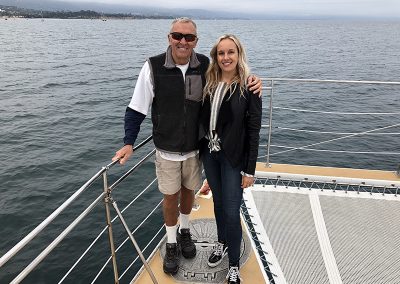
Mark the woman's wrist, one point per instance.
(246, 174)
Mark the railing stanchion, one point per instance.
(109, 225)
(270, 122)
(139, 251)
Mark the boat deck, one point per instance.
(328, 172)
(312, 236)
(250, 270)
(327, 234)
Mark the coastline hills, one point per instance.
(17, 12)
(85, 10)
(80, 9)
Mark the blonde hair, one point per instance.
(213, 74)
(183, 20)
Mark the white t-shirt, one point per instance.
(142, 99)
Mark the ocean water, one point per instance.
(65, 84)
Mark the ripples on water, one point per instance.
(65, 84)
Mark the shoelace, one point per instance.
(233, 273)
(219, 249)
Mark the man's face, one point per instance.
(182, 49)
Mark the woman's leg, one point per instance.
(213, 173)
(232, 194)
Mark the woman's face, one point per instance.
(227, 56)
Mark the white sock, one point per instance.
(184, 221)
(171, 234)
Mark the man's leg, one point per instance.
(170, 209)
(191, 180)
(170, 213)
(169, 183)
(187, 200)
(184, 237)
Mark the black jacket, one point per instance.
(238, 127)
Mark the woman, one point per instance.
(230, 124)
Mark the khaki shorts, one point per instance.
(172, 175)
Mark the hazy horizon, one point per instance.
(358, 8)
(258, 8)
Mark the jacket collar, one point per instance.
(169, 61)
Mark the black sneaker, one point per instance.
(171, 259)
(233, 276)
(219, 252)
(188, 247)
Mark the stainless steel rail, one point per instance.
(330, 81)
(21, 244)
(106, 196)
(153, 278)
(56, 241)
(271, 86)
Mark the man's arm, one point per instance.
(133, 120)
(135, 113)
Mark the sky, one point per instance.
(371, 8)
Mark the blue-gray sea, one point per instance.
(65, 84)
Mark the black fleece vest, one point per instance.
(176, 105)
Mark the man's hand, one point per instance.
(123, 154)
(254, 84)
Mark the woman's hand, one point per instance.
(247, 181)
(205, 188)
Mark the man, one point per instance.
(172, 84)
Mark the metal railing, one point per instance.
(108, 200)
(271, 86)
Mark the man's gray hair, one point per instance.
(183, 20)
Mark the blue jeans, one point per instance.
(225, 183)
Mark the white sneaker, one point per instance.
(233, 276)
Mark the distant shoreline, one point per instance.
(8, 12)
(101, 18)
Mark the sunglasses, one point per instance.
(179, 36)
